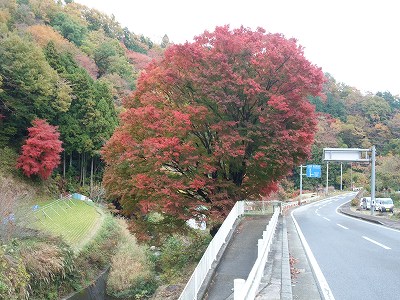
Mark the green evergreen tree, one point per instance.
(31, 88)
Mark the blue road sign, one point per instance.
(313, 171)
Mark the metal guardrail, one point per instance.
(247, 289)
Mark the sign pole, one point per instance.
(327, 176)
(341, 176)
(351, 176)
(301, 184)
(372, 180)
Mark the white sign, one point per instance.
(346, 155)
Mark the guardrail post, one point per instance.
(237, 288)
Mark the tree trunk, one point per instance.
(91, 177)
(64, 165)
(83, 168)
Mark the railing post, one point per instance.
(260, 247)
(237, 288)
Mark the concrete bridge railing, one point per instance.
(241, 208)
(196, 280)
(247, 289)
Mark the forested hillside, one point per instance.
(349, 118)
(163, 133)
(69, 65)
(73, 66)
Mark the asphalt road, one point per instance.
(358, 259)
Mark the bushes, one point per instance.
(96, 255)
(179, 252)
(44, 267)
(14, 278)
(33, 266)
(64, 273)
(45, 262)
(355, 202)
(131, 274)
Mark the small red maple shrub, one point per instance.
(41, 152)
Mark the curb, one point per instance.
(286, 284)
(361, 217)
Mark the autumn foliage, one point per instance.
(41, 152)
(215, 121)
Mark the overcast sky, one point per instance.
(356, 41)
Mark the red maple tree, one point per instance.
(41, 152)
(215, 121)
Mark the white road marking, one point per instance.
(317, 270)
(377, 243)
(363, 221)
(326, 218)
(344, 227)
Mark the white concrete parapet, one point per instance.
(248, 290)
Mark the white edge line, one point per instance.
(326, 218)
(376, 243)
(326, 291)
(344, 227)
(364, 221)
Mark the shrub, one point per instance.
(99, 252)
(14, 278)
(179, 252)
(131, 273)
(45, 262)
(63, 273)
(355, 202)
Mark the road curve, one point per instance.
(357, 259)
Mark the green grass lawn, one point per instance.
(75, 220)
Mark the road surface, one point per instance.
(357, 259)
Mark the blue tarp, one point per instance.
(78, 196)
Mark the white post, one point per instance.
(372, 180)
(301, 184)
(260, 246)
(341, 176)
(327, 176)
(351, 176)
(237, 288)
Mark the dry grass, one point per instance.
(44, 261)
(129, 266)
(13, 278)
